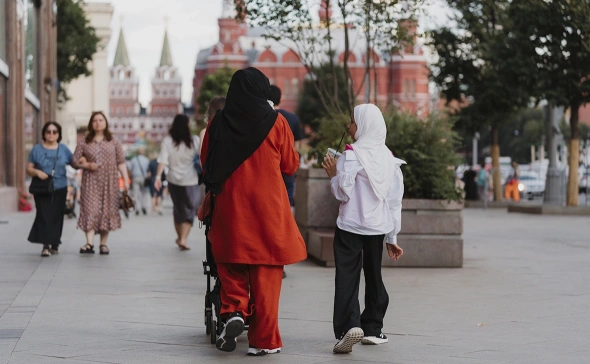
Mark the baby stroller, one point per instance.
(213, 322)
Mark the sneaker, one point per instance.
(374, 340)
(346, 342)
(252, 351)
(45, 252)
(229, 336)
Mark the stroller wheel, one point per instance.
(213, 324)
(208, 325)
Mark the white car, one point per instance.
(531, 186)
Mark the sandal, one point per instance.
(104, 250)
(87, 249)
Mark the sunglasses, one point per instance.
(52, 131)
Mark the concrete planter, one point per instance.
(430, 236)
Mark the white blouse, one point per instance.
(361, 211)
(180, 161)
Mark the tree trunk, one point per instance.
(574, 157)
(496, 165)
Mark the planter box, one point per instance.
(430, 236)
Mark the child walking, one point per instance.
(368, 180)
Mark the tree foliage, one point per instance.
(214, 84)
(77, 43)
(428, 146)
(553, 38)
(376, 22)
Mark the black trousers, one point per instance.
(49, 219)
(353, 252)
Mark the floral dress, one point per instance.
(99, 192)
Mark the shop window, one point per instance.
(31, 47)
(31, 127)
(3, 30)
(4, 151)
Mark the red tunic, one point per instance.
(252, 220)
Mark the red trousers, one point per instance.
(254, 291)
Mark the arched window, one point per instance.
(295, 87)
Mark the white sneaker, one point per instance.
(346, 342)
(229, 336)
(374, 340)
(252, 351)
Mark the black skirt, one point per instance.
(49, 220)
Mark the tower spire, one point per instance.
(121, 55)
(166, 58)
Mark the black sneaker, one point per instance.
(347, 341)
(229, 336)
(374, 340)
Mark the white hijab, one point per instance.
(370, 149)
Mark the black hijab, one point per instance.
(239, 129)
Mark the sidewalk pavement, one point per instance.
(523, 296)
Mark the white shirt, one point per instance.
(180, 161)
(361, 211)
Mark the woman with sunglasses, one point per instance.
(49, 158)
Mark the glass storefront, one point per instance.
(31, 47)
(31, 127)
(3, 29)
(3, 133)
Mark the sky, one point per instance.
(192, 26)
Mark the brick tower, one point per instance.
(166, 85)
(124, 84)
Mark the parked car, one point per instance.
(531, 186)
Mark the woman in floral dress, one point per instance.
(101, 156)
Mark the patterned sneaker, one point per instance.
(252, 351)
(353, 336)
(374, 340)
(229, 336)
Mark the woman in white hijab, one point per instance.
(368, 180)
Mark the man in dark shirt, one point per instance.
(295, 124)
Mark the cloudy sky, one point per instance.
(192, 25)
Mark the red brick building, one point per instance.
(402, 80)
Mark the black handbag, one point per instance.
(44, 186)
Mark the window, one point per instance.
(295, 87)
(286, 90)
(2, 32)
(405, 88)
(119, 110)
(413, 89)
(31, 126)
(31, 47)
(4, 151)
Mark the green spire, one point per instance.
(166, 58)
(121, 56)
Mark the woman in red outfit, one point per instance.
(247, 148)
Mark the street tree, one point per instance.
(471, 70)
(552, 37)
(381, 24)
(77, 43)
(214, 84)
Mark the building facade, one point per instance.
(89, 93)
(129, 121)
(28, 94)
(402, 79)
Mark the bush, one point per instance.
(329, 134)
(428, 146)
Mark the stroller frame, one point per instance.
(213, 322)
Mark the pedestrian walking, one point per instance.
(368, 181)
(482, 181)
(295, 125)
(178, 152)
(246, 150)
(47, 165)
(511, 190)
(157, 195)
(138, 166)
(101, 156)
(216, 104)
